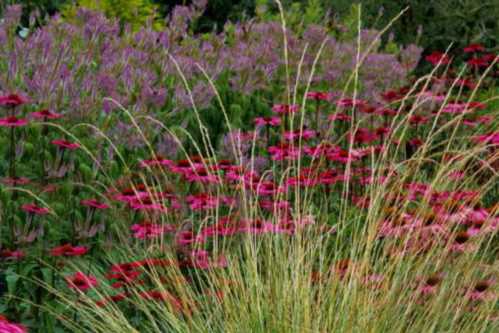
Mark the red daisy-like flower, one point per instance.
(285, 109)
(472, 48)
(16, 181)
(81, 281)
(436, 58)
(318, 95)
(13, 122)
(45, 114)
(64, 144)
(12, 254)
(67, 250)
(34, 209)
(93, 203)
(12, 100)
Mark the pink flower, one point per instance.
(267, 188)
(492, 138)
(201, 259)
(343, 156)
(318, 96)
(201, 175)
(45, 114)
(305, 134)
(93, 203)
(68, 250)
(8, 327)
(285, 109)
(150, 230)
(364, 135)
(156, 162)
(390, 96)
(16, 181)
(482, 291)
(34, 209)
(339, 117)
(283, 151)
(185, 166)
(63, 144)
(13, 122)
(147, 204)
(256, 226)
(81, 282)
(462, 243)
(455, 108)
(224, 227)
(12, 100)
(188, 237)
(12, 254)
(132, 194)
(267, 121)
(202, 201)
(430, 285)
(349, 102)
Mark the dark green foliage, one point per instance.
(459, 22)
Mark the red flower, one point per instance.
(349, 102)
(437, 58)
(13, 122)
(285, 109)
(156, 162)
(267, 121)
(81, 281)
(12, 100)
(114, 298)
(472, 48)
(93, 203)
(63, 144)
(390, 96)
(12, 254)
(34, 209)
(16, 181)
(478, 62)
(45, 114)
(67, 250)
(318, 96)
(150, 230)
(124, 274)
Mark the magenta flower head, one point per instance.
(472, 48)
(34, 209)
(349, 102)
(12, 100)
(436, 58)
(68, 250)
(285, 108)
(81, 282)
(8, 327)
(318, 96)
(45, 114)
(13, 122)
(63, 144)
(267, 121)
(12, 254)
(92, 203)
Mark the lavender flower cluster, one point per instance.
(71, 66)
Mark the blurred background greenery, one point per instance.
(433, 24)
